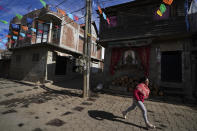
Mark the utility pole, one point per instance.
(87, 49)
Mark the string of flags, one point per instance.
(22, 34)
(3, 21)
(103, 14)
(162, 8)
(19, 16)
(43, 3)
(17, 35)
(34, 30)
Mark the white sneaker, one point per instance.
(124, 114)
(150, 126)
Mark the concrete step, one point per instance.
(173, 91)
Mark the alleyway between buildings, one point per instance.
(26, 107)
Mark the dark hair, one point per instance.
(143, 79)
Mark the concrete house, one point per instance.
(139, 42)
(53, 50)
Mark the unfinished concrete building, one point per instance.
(52, 50)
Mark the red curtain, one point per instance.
(115, 58)
(144, 54)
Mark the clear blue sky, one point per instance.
(13, 7)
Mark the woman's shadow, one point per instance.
(101, 115)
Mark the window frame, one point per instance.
(42, 34)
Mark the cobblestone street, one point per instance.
(26, 107)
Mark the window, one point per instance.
(113, 21)
(35, 57)
(42, 32)
(56, 30)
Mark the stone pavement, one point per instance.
(25, 107)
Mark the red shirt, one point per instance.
(138, 95)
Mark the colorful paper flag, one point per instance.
(43, 3)
(21, 38)
(62, 12)
(70, 16)
(22, 34)
(1, 8)
(12, 41)
(40, 31)
(14, 37)
(3, 21)
(99, 8)
(168, 2)
(25, 28)
(162, 8)
(4, 40)
(9, 36)
(108, 21)
(104, 16)
(15, 26)
(33, 29)
(76, 18)
(159, 13)
(28, 35)
(19, 16)
(29, 20)
(15, 33)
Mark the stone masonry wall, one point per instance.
(23, 68)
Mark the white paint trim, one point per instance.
(71, 49)
(61, 33)
(50, 13)
(50, 32)
(76, 38)
(78, 30)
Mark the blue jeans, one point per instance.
(141, 106)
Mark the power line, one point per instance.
(60, 3)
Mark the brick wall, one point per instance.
(99, 51)
(80, 45)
